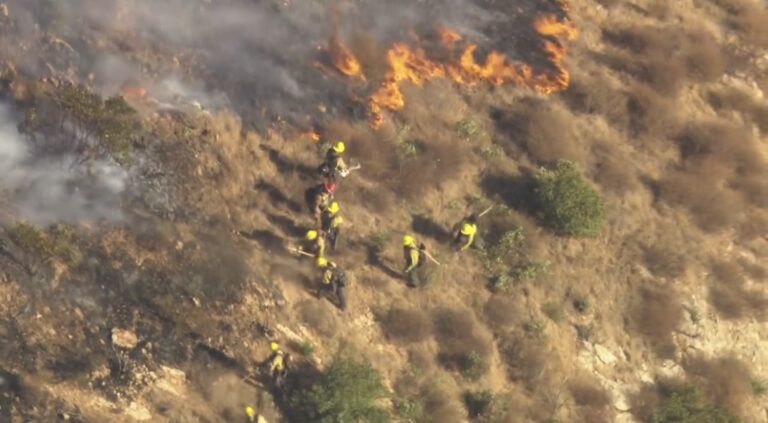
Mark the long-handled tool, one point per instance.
(297, 251)
(429, 256)
(486, 211)
(345, 172)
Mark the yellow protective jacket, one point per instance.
(412, 256)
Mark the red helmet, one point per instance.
(329, 187)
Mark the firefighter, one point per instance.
(250, 413)
(414, 255)
(330, 223)
(334, 162)
(464, 233)
(313, 243)
(334, 280)
(319, 197)
(276, 364)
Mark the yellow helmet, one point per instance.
(250, 412)
(273, 346)
(333, 207)
(468, 229)
(408, 241)
(339, 147)
(321, 262)
(311, 235)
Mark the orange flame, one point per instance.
(413, 65)
(343, 59)
(311, 135)
(447, 36)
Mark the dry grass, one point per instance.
(651, 113)
(614, 172)
(664, 261)
(593, 402)
(594, 94)
(458, 335)
(726, 381)
(551, 133)
(529, 361)
(755, 226)
(441, 404)
(320, 316)
(721, 166)
(739, 100)
(730, 296)
(656, 314)
(503, 311)
(407, 324)
(748, 18)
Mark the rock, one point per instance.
(124, 338)
(138, 412)
(604, 354)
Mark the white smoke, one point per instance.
(47, 190)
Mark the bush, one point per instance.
(478, 403)
(656, 314)
(346, 393)
(664, 261)
(729, 295)
(473, 366)
(503, 311)
(726, 381)
(685, 404)
(409, 325)
(567, 202)
(57, 242)
(409, 410)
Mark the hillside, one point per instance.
(156, 157)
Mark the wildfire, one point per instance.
(406, 64)
(344, 61)
(311, 135)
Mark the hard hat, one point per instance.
(339, 147)
(273, 346)
(321, 262)
(468, 229)
(311, 235)
(250, 412)
(408, 241)
(333, 207)
(329, 187)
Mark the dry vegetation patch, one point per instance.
(656, 314)
(464, 344)
(664, 261)
(726, 381)
(748, 18)
(729, 294)
(593, 402)
(503, 311)
(407, 324)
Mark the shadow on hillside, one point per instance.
(276, 196)
(424, 225)
(517, 191)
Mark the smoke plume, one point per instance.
(46, 190)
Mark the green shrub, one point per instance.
(409, 410)
(473, 366)
(346, 393)
(478, 403)
(55, 243)
(759, 387)
(685, 404)
(306, 349)
(567, 202)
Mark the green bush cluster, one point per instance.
(567, 202)
(346, 393)
(57, 242)
(686, 404)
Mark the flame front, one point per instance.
(406, 64)
(344, 61)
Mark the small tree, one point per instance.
(685, 404)
(346, 393)
(567, 202)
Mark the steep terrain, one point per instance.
(156, 157)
